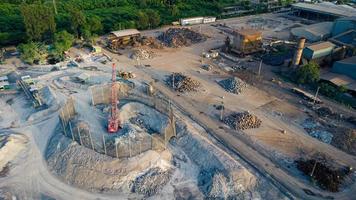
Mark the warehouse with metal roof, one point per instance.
(314, 32)
(324, 11)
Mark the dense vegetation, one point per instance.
(38, 20)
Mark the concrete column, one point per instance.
(298, 53)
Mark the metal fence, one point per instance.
(124, 146)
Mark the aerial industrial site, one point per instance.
(242, 105)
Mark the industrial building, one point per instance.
(324, 11)
(314, 32)
(118, 39)
(347, 39)
(246, 41)
(196, 20)
(319, 51)
(346, 67)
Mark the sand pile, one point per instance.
(182, 83)
(242, 121)
(233, 85)
(178, 37)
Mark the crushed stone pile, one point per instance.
(151, 182)
(178, 37)
(316, 130)
(182, 83)
(242, 121)
(142, 54)
(233, 85)
(327, 176)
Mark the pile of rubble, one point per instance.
(151, 42)
(233, 85)
(151, 182)
(182, 83)
(345, 140)
(178, 37)
(242, 121)
(327, 176)
(142, 54)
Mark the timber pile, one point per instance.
(328, 177)
(182, 83)
(233, 85)
(178, 37)
(242, 121)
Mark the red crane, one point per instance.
(114, 121)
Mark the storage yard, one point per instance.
(193, 112)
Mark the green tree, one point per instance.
(309, 73)
(142, 20)
(77, 21)
(38, 20)
(94, 24)
(32, 52)
(63, 41)
(154, 18)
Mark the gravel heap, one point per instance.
(178, 37)
(233, 85)
(151, 182)
(142, 54)
(242, 121)
(182, 83)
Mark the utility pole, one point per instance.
(312, 173)
(259, 69)
(316, 95)
(222, 108)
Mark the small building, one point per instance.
(346, 67)
(246, 41)
(318, 51)
(118, 39)
(324, 11)
(196, 20)
(191, 21)
(208, 20)
(314, 32)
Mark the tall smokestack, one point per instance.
(298, 53)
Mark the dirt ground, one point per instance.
(281, 139)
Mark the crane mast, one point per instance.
(114, 121)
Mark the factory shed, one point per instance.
(118, 39)
(347, 39)
(246, 41)
(344, 24)
(319, 50)
(324, 11)
(314, 32)
(339, 80)
(346, 67)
